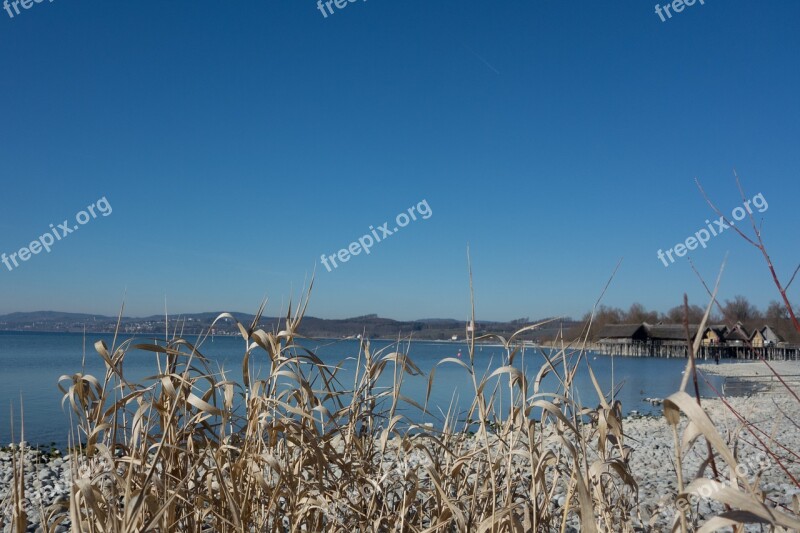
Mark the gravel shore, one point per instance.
(47, 483)
(751, 368)
(653, 460)
(773, 410)
(776, 413)
(756, 377)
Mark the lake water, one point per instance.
(31, 364)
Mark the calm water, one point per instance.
(31, 364)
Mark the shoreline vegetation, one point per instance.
(307, 452)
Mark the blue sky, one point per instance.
(239, 141)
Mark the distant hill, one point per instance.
(49, 316)
(370, 326)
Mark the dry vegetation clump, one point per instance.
(311, 446)
(298, 449)
(731, 479)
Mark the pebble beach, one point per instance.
(774, 411)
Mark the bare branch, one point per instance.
(723, 217)
(759, 244)
(793, 276)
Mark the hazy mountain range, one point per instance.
(371, 326)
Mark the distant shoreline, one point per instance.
(404, 336)
(238, 335)
(370, 326)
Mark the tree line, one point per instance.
(730, 312)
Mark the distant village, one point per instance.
(717, 341)
(104, 324)
(737, 330)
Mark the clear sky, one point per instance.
(238, 141)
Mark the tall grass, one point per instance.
(301, 449)
(298, 449)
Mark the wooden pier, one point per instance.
(652, 349)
